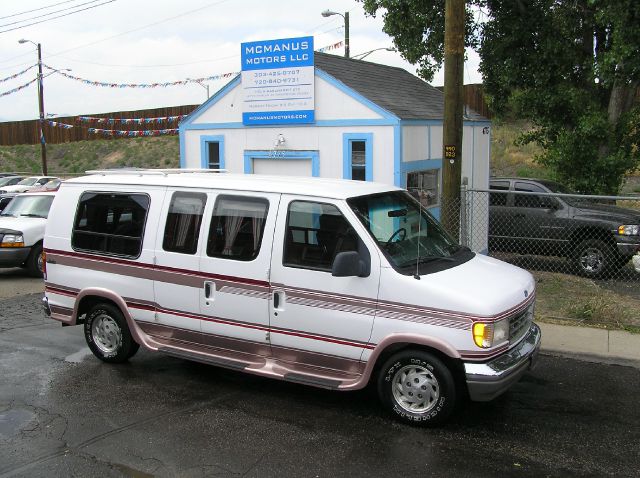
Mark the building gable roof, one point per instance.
(391, 88)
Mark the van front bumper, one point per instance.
(487, 380)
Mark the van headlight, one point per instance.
(629, 230)
(12, 240)
(485, 335)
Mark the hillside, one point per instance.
(68, 159)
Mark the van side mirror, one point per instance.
(349, 264)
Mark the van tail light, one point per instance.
(44, 265)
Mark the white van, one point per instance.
(328, 283)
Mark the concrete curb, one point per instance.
(614, 346)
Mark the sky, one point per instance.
(156, 41)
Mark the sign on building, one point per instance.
(277, 81)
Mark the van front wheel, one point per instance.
(417, 388)
(107, 334)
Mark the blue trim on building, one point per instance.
(439, 122)
(397, 154)
(204, 149)
(323, 123)
(312, 155)
(183, 153)
(355, 95)
(347, 151)
(211, 101)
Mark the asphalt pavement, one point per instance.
(64, 413)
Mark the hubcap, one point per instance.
(106, 334)
(39, 262)
(592, 260)
(415, 389)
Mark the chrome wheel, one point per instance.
(106, 334)
(415, 389)
(592, 260)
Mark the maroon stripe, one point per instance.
(143, 265)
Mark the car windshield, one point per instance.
(7, 180)
(28, 182)
(406, 233)
(29, 206)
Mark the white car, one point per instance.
(22, 225)
(27, 184)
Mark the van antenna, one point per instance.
(417, 274)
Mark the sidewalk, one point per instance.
(594, 343)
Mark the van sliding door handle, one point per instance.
(209, 288)
(276, 300)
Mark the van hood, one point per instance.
(32, 228)
(482, 286)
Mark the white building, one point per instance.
(372, 122)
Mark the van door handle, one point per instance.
(278, 300)
(209, 289)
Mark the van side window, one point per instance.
(110, 223)
(236, 227)
(315, 233)
(183, 222)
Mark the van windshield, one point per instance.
(411, 238)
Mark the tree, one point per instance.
(571, 67)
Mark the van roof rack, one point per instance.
(145, 171)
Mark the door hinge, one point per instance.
(155, 260)
(267, 337)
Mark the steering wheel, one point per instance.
(400, 232)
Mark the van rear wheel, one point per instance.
(107, 334)
(417, 388)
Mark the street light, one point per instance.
(43, 146)
(206, 87)
(328, 13)
(362, 56)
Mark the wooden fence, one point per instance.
(27, 132)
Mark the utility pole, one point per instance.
(454, 20)
(328, 13)
(43, 144)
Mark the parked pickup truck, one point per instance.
(597, 238)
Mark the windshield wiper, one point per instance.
(8, 215)
(425, 259)
(33, 215)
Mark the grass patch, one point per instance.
(579, 301)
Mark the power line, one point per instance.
(36, 9)
(47, 14)
(139, 28)
(59, 16)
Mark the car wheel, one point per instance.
(107, 334)
(34, 261)
(594, 258)
(417, 388)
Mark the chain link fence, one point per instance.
(583, 250)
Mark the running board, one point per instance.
(220, 362)
(314, 381)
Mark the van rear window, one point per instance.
(110, 223)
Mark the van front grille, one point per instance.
(519, 324)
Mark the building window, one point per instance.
(183, 222)
(110, 223)
(357, 150)
(358, 163)
(236, 228)
(213, 155)
(425, 186)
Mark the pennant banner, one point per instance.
(331, 47)
(16, 75)
(168, 83)
(156, 120)
(55, 124)
(18, 88)
(118, 132)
